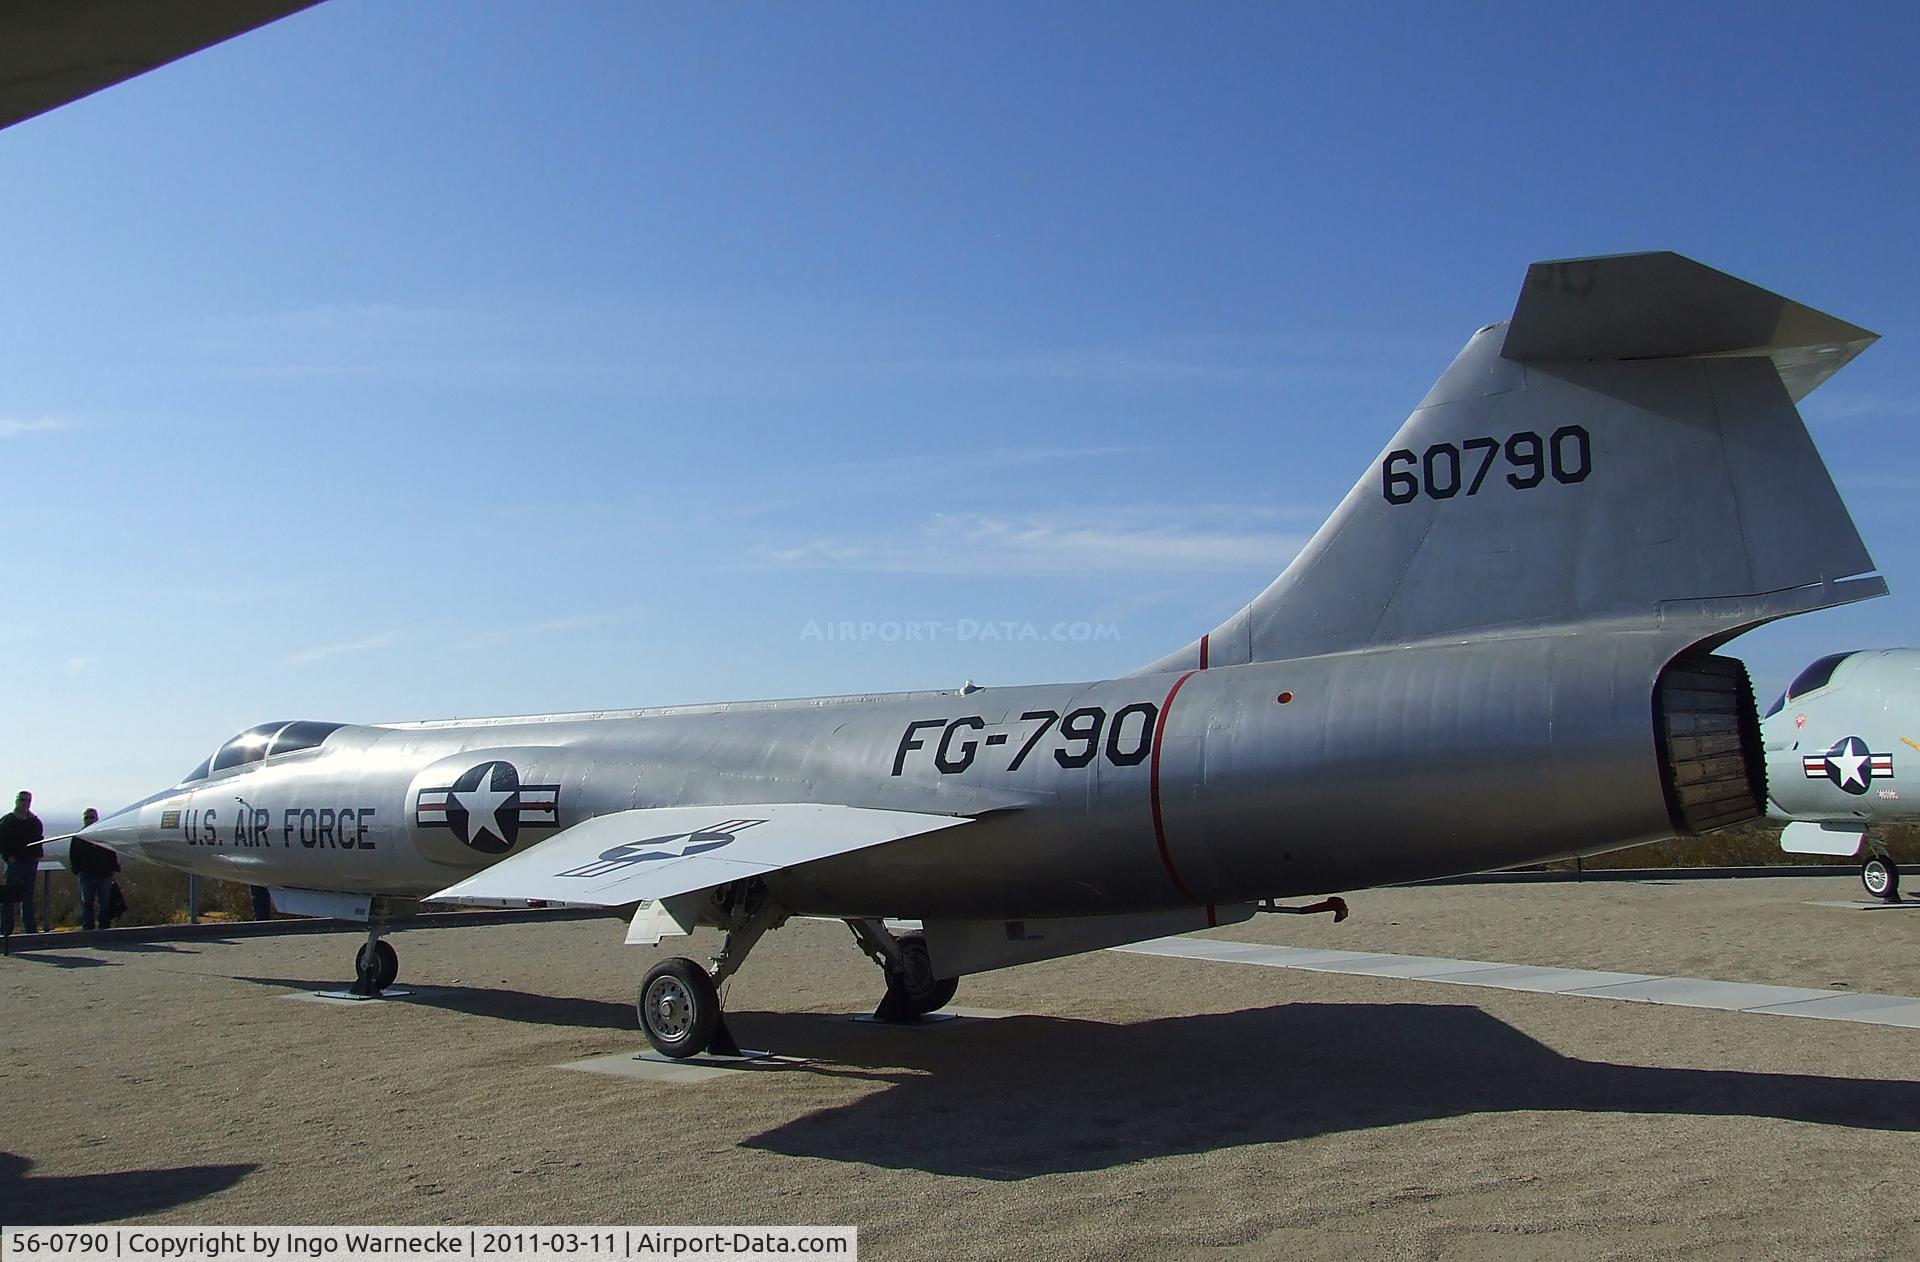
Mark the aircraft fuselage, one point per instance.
(1198, 787)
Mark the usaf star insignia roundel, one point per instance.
(669, 846)
(1849, 764)
(487, 806)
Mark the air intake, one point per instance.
(1709, 734)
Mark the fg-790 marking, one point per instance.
(1446, 470)
(1129, 738)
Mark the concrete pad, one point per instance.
(651, 1066)
(1427, 967)
(1688, 992)
(931, 1019)
(1547, 981)
(1249, 953)
(1845, 1006)
(1224, 948)
(1863, 904)
(1694, 992)
(347, 997)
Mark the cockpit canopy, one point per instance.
(268, 740)
(1818, 674)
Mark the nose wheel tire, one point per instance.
(375, 966)
(679, 1008)
(913, 991)
(1881, 877)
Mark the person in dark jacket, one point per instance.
(20, 836)
(96, 866)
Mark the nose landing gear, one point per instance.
(374, 966)
(1881, 877)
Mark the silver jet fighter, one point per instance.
(1498, 650)
(1843, 754)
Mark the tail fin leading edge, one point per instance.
(1624, 451)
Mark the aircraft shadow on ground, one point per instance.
(150, 948)
(502, 1005)
(60, 960)
(65, 1199)
(1024, 1096)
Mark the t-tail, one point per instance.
(1624, 454)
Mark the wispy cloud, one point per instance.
(1175, 359)
(43, 425)
(552, 626)
(325, 651)
(955, 543)
(78, 665)
(787, 487)
(1901, 482)
(721, 346)
(1858, 407)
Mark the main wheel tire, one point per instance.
(1881, 877)
(914, 990)
(377, 964)
(679, 1007)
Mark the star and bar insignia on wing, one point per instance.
(670, 846)
(487, 806)
(1849, 764)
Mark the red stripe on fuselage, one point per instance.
(1153, 787)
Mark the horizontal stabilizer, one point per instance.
(1666, 306)
(634, 856)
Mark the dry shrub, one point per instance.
(155, 895)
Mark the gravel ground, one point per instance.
(1144, 1105)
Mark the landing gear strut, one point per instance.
(679, 1001)
(912, 989)
(375, 966)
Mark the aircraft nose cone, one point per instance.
(126, 832)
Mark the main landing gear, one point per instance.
(912, 989)
(679, 1001)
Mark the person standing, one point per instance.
(96, 866)
(20, 836)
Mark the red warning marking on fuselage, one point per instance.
(1153, 793)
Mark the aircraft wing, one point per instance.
(655, 853)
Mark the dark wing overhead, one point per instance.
(56, 51)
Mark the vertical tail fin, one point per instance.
(1625, 451)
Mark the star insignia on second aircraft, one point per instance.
(1849, 764)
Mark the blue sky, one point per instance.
(415, 360)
